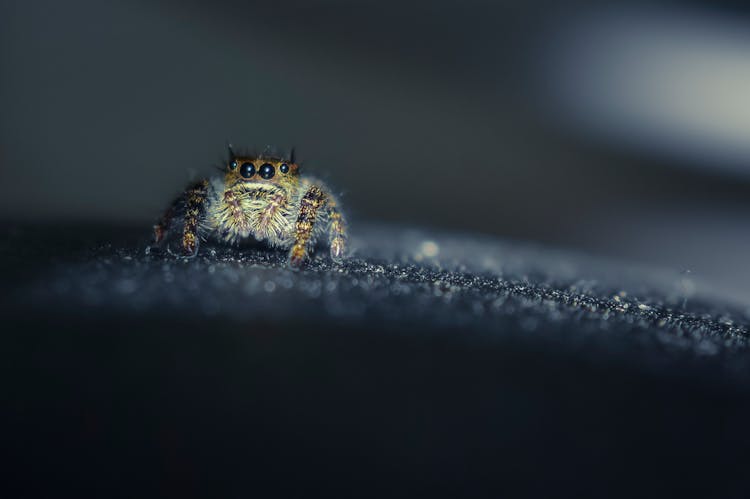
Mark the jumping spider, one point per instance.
(263, 196)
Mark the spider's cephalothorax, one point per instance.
(260, 196)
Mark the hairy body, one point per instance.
(260, 196)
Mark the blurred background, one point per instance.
(617, 128)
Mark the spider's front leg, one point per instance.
(189, 208)
(313, 200)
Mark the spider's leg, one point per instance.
(183, 217)
(336, 230)
(310, 203)
(195, 209)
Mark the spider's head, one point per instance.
(244, 168)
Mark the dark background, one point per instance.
(615, 129)
(619, 129)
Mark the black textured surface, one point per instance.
(427, 362)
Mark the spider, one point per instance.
(264, 196)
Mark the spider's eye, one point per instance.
(284, 168)
(233, 164)
(267, 170)
(247, 170)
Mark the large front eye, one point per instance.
(267, 171)
(233, 164)
(247, 170)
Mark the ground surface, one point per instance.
(425, 362)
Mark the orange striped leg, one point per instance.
(195, 200)
(311, 202)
